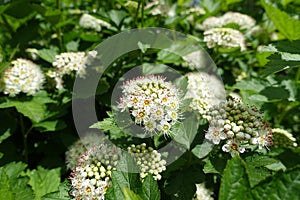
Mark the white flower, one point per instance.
(89, 22)
(153, 102)
(68, 62)
(80, 147)
(244, 21)
(215, 134)
(91, 177)
(202, 193)
(224, 37)
(205, 91)
(233, 147)
(23, 76)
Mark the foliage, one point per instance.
(261, 67)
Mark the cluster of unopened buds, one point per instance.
(148, 159)
(282, 138)
(23, 76)
(152, 102)
(92, 176)
(239, 126)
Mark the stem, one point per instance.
(283, 114)
(58, 4)
(142, 23)
(297, 75)
(137, 13)
(58, 31)
(7, 25)
(25, 136)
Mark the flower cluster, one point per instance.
(244, 21)
(202, 193)
(92, 176)
(80, 147)
(148, 159)
(68, 62)
(283, 138)
(225, 38)
(23, 76)
(89, 22)
(205, 91)
(240, 126)
(152, 102)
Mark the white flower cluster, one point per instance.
(68, 62)
(283, 138)
(240, 126)
(92, 176)
(148, 159)
(205, 91)
(90, 22)
(202, 193)
(244, 21)
(224, 37)
(80, 147)
(23, 76)
(152, 101)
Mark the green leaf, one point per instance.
(291, 86)
(108, 124)
(14, 169)
(61, 194)
(121, 180)
(5, 135)
(282, 186)
(44, 181)
(214, 165)
(275, 93)
(90, 37)
(117, 16)
(186, 131)
(143, 47)
(202, 150)
(21, 190)
(150, 189)
(292, 47)
(256, 167)
(33, 110)
(181, 184)
(288, 26)
(234, 183)
(50, 125)
(103, 87)
(148, 68)
(12, 186)
(5, 186)
(249, 85)
(47, 55)
(130, 195)
(277, 64)
(124, 176)
(3, 66)
(72, 45)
